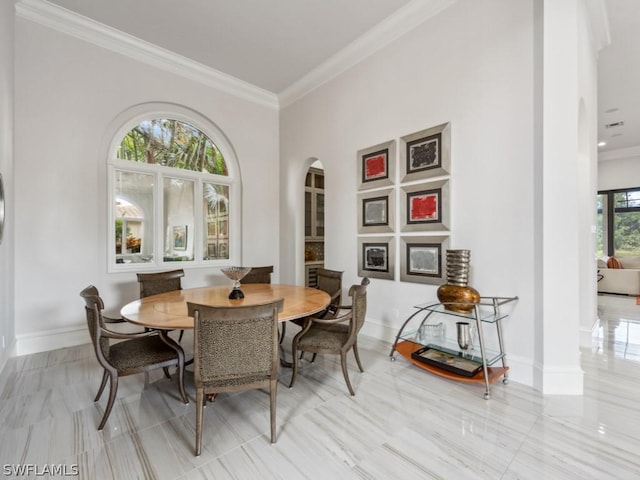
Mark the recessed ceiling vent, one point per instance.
(614, 124)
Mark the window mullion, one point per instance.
(610, 223)
(198, 213)
(158, 204)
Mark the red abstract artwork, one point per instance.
(423, 207)
(375, 167)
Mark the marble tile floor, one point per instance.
(403, 423)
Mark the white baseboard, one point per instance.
(559, 380)
(51, 340)
(379, 331)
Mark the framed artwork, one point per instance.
(376, 257)
(180, 237)
(376, 211)
(426, 154)
(422, 259)
(376, 165)
(425, 207)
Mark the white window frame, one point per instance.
(121, 126)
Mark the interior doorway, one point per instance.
(314, 186)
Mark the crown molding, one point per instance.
(83, 28)
(402, 21)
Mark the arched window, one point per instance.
(172, 195)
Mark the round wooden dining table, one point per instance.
(168, 311)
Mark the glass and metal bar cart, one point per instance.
(428, 347)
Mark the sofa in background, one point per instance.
(620, 275)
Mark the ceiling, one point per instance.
(273, 44)
(619, 78)
(270, 44)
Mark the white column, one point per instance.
(557, 330)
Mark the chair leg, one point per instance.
(199, 414)
(294, 366)
(166, 372)
(181, 334)
(180, 354)
(283, 326)
(343, 362)
(105, 376)
(183, 393)
(113, 389)
(355, 352)
(272, 397)
(313, 358)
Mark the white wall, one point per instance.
(587, 178)
(472, 65)
(619, 169)
(68, 92)
(7, 329)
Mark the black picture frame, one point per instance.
(424, 153)
(376, 257)
(423, 259)
(424, 207)
(375, 211)
(375, 166)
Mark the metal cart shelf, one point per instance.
(486, 312)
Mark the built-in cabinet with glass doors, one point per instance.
(313, 224)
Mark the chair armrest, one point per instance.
(108, 319)
(342, 307)
(329, 321)
(125, 336)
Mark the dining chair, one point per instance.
(235, 349)
(263, 275)
(334, 333)
(258, 275)
(134, 353)
(160, 282)
(329, 281)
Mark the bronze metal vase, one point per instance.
(456, 294)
